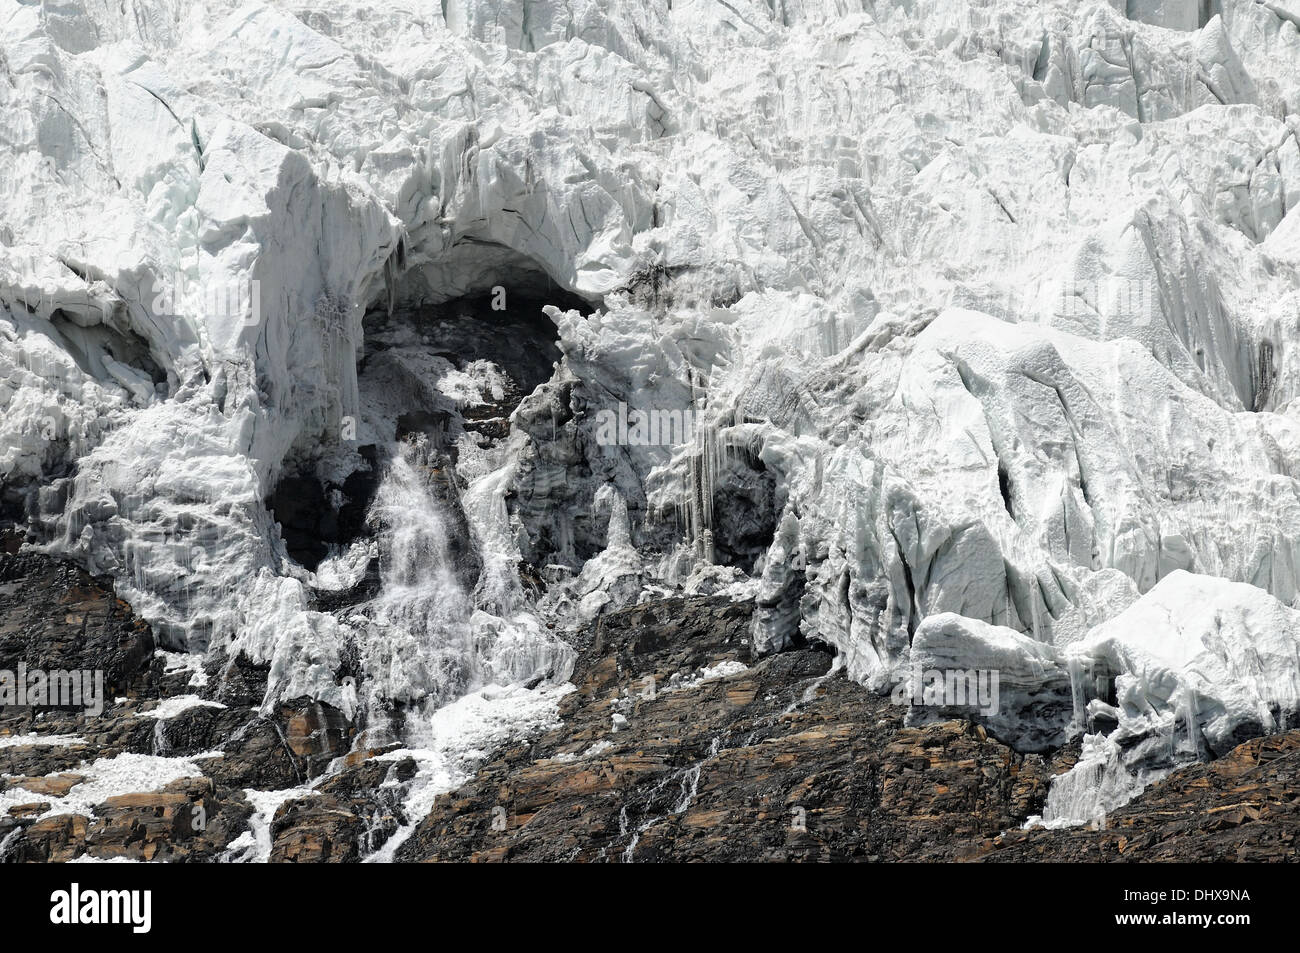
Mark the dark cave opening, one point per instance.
(310, 523)
(744, 528)
(518, 338)
(503, 326)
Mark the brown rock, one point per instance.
(54, 785)
(1243, 807)
(316, 733)
(34, 809)
(779, 762)
(54, 839)
(155, 825)
(315, 830)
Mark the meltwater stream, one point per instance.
(420, 645)
(468, 672)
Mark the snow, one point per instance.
(708, 673)
(58, 741)
(108, 777)
(454, 740)
(253, 846)
(184, 662)
(984, 313)
(171, 707)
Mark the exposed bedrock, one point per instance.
(677, 744)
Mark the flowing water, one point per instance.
(420, 640)
(455, 655)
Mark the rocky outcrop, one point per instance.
(788, 760)
(55, 616)
(1243, 807)
(677, 746)
(351, 815)
(187, 820)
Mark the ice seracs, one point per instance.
(1222, 658)
(985, 316)
(1187, 672)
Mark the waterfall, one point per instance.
(420, 642)
(430, 636)
(466, 660)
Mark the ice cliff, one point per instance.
(974, 321)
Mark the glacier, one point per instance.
(981, 314)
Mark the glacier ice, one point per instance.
(982, 314)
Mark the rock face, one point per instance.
(54, 616)
(785, 760)
(188, 820)
(351, 816)
(679, 745)
(1242, 807)
(159, 773)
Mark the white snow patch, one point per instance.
(457, 738)
(171, 707)
(106, 778)
(57, 741)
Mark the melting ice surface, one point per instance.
(1097, 784)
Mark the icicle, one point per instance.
(390, 279)
(1078, 719)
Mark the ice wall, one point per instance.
(978, 309)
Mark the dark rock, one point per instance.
(353, 814)
(307, 522)
(188, 820)
(783, 761)
(256, 756)
(55, 616)
(237, 682)
(1243, 807)
(40, 759)
(200, 728)
(34, 809)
